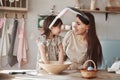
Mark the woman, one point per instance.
(82, 43)
(50, 43)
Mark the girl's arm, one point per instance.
(61, 54)
(43, 54)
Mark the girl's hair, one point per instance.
(48, 20)
(94, 50)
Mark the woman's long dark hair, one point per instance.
(94, 50)
(47, 22)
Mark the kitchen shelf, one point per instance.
(99, 11)
(13, 9)
(19, 6)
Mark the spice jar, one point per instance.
(92, 5)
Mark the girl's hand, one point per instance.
(73, 66)
(47, 62)
(44, 62)
(60, 62)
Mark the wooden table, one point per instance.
(66, 75)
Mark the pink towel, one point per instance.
(22, 48)
(1, 22)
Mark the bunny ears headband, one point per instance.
(71, 9)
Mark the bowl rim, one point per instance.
(51, 67)
(65, 63)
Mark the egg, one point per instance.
(41, 23)
(90, 68)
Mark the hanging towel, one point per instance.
(10, 27)
(1, 25)
(3, 40)
(1, 22)
(11, 58)
(22, 47)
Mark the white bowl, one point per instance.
(54, 67)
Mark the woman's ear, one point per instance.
(87, 27)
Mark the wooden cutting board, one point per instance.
(112, 8)
(4, 76)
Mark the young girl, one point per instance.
(50, 43)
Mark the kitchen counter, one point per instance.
(66, 75)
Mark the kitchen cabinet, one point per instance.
(14, 5)
(13, 8)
